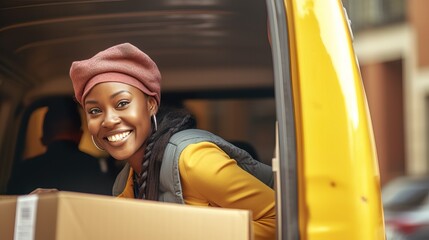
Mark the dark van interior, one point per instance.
(214, 57)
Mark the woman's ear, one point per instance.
(152, 105)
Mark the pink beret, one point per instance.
(122, 63)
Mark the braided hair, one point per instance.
(171, 121)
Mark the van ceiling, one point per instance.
(197, 44)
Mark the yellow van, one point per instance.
(281, 75)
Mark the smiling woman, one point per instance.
(119, 119)
(119, 89)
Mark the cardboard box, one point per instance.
(70, 216)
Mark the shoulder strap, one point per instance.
(121, 180)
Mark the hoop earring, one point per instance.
(95, 144)
(154, 122)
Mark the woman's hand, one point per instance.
(44, 190)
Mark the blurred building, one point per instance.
(390, 39)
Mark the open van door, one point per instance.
(328, 179)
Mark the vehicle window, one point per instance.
(250, 121)
(33, 145)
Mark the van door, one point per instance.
(328, 179)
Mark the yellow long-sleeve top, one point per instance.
(210, 178)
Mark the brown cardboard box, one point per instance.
(70, 216)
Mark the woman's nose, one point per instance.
(110, 119)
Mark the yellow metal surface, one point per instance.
(339, 191)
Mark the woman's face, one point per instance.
(119, 119)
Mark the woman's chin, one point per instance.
(119, 156)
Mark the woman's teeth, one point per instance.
(118, 137)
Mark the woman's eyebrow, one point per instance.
(90, 102)
(119, 92)
(112, 96)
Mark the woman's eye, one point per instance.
(93, 111)
(122, 104)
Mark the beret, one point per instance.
(122, 63)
